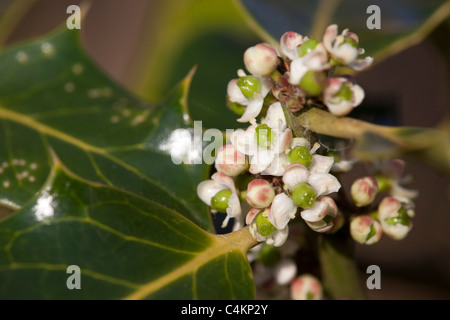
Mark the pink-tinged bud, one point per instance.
(230, 161)
(261, 59)
(363, 191)
(395, 219)
(260, 193)
(366, 230)
(306, 287)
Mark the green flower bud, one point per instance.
(301, 155)
(220, 200)
(350, 41)
(249, 85)
(304, 195)
(264, 136)
(344, 94)
(311, 83)
(307, 46)
(265, 228)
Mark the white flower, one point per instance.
(344, 48)
(341, 95)
(219, 181)
(277, 238)
(263, 143)
(320, 217)
(317, 176)
(289, 43)
(254, 104)
(316, 60)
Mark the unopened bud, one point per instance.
(230, 161)
(394, 218)
(364, 191)
(260, 193)
(306, 287)
(261, 59)
(366, 230)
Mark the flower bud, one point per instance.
(364, 191)
(230, 161)
(260, 193)
(366, 230)
(261, 59)
(312, 82)
(394, 218)
(306, 287)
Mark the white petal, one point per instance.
(317, 212)
(345, 52)
(234, 206)
(361, 64)
(251, 215)
(253, 109)
(275, 118)
(324, 183)
(289, 43)
(358, 95)
(282, 211)
(278, 166)
(317, 59)
(244, 141)
(329, 36)
(300, 142)
(282, 141)
(278, 237)
(294, 174)
(298, 70)
(261, 160)
(222, 178)
(208, 189)
(235, 94)
(340, 108)
(321, 164)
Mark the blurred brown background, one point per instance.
(416, 81)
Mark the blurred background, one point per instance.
(148, 46)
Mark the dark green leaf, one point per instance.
(87, 167)
(126, 247)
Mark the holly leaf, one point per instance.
(87, 168)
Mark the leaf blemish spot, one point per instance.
(47, 49)
(69, 87)
(21, 57)
(5, 164)
(77, 68)
(5, 184)
(33, 166)
(115, 119)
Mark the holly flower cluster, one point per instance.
(266, 175)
